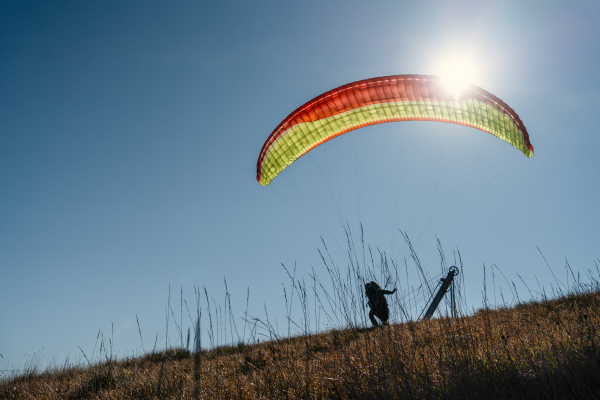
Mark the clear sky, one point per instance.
(130, 130)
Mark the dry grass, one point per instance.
(547, 349)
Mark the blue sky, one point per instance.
(129, 133)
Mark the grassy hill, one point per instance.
(547, 349)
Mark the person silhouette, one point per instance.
(377, 303)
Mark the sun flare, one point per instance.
(458, 73)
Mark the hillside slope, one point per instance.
(547, 349)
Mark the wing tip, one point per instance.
(530, 152)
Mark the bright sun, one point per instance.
(457, 73)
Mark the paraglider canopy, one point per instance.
(386, 99)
